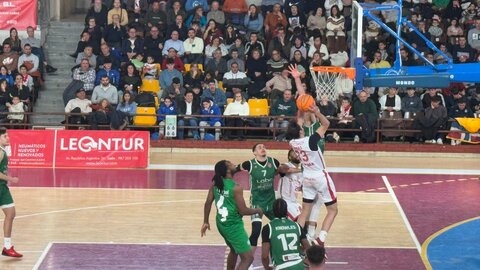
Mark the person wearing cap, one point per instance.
(107, 70)
(79, 104)
(435, 118)
(174, 42)
(212, 118)
(178, 63)
(215, 94)
(175, 91)
(186, 108)
(167, 75)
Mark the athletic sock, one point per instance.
(7, 243)
(311, 230)
(322, 236)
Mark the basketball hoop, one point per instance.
(326, 77)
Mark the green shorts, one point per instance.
(267, 208)
(235, 236)
(5, 195)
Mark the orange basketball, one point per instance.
(304, 102)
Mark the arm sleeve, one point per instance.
(303, 235)
(277, 163)
(245, 165)
(266, 234)
(313, 141)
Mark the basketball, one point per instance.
(304, 102)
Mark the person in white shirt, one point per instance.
(239, 107)
(15, 107)
(234, 78)
(193, 48)
(79, 104)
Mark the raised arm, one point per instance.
(324, 123)
(293, 70)
(242, 207)
(206, 212)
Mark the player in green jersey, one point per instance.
(228, 197)
(6, 200)
(281, 239)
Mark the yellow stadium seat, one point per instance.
(229, 100)
(187, 67)
(145, 120)
(220, 85)
(258, 107)
(150, 86)
(157, 102)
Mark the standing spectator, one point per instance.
(105, 91)
(193, 46)
(434, 119)
(98, 11)
(133, 45)
(117, 10)
(174, 42)
(8, 58)
(166, 108)
(239, 107)
(114, 33)
(14, 41)
(335, 31)
(167, 75)
(85, 74)
(80, 104)
(216, 14)
(282, 107)
(280, 43)
(156, 17)
(187, 108)
(112, 74)
(235, 11)
(211, 118)
(273, 20)
(316, 21)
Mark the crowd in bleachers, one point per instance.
(199, 57)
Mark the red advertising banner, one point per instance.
(18, 13)
(31, 148)
(105, 149)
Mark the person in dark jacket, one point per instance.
(186, 108)
(166, 108)
(282, 107)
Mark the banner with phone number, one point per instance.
(18, 13)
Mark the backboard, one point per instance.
(357, 31)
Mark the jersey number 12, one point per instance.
(291, 244)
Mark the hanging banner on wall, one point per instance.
(18, 13)
(29, 148)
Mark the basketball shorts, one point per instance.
(267, 208)
(294, 209)
(235, 237)
(6, 199)
(320, 184)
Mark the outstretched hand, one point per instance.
(313, 108)
(293, 70)
(203, 231)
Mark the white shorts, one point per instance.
(294, 209)
(319, 185)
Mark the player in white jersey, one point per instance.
(316, 181)
(291, 184)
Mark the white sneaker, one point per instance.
(356, 139)
(439, 141)
(430, 141)
(336, 137)
(453, 142)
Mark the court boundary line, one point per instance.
(402, 214)
(43, 255)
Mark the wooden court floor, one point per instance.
(104, 215)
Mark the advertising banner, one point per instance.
(18, 13)
(31, 148)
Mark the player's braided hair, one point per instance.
(220, 173)
(280, 209)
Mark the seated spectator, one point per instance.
(211, 118)
(299, 60)
(151, 70)
(175, 43)
(138, 62)
(463, 52)
(166, 108)
(411, 104)
(30, 61)
(105, 91)
(215, 45)
(80, 104)
(15, 107)
(156, 17)
(178, 63)
(434, 119)
(136, 10)
(276, 64)
(178, 26)
(390, 108)
(256, 67)
(87, 54)
(193, 76)
(197, 16)
(298, 45)
(105, 53)
(130, 79)
(407, 60)
(460, 110)
(273, 19)
(86, 74)
(296, 19)
(230, 36)
(193, 48)
(280, 43)
(452, 99)
(234, 59)
(20, 90)
(336, 31)
(238, 44)
(4, 99)
(436, 31)
(175, 10)
(95, 35)
(326, 106)
(133, 45)
(191, 5)
(253, 21)
(175, 91)
(167, 75)
(253, 44)
(377, 62)
(112, 74)
(474, 36)
(9, 59)
(239, 107)
(5, 75)
(454, 31)
(187, 107)
(316, 21)
(85, 41)
(100, 118)
(99, 11)
(117, 10)
(234, 78)
(127, 106)
(282, 107)
(212, 31)
(37, 49)
(344, 86)
(217, 66)
(318, 46)
(468, 15)
(345, 117)
(278, 84)
(27, 79)
(14, 41)
(215, 94)
(427, 96)
(153, 44)
(235, 11)
(114, 33)
(216, 14)
(438, 58)
(366, 114)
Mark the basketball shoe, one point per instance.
(11, 253)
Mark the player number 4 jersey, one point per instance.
(312, 161)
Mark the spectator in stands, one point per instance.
(86, 74)
(345, 117)
(316, 21)
(427, 96)
(193, 48)
(20, 90)
(180, 27)
(95, 35)
(14, 41)
(253, 44)
(253, 21)
(175, 43)
(5, 75)
(276, 64)
(256, 66)
(453, 10)
(87, 54)
(282, 107)
(234, 59)
(239, 107)
(114, 33)
(390, 110)
(105, 53)
(463, 52)
(377, 62)
(193, 76)
(27, 79)
(175, 91)
(336, 31)
(166, 108)
(14, 108)
(344, 86)
(173, 54)
(216, 14)
(235, 11)
(156, 17)
(211, 32)
(273, 20)
(238, 44)
(215, 45)
(460, 110)
(100, 117)
(434, 119)
(105, 91)
(452, 99)
(197, 17)
(217, 66)
(175, 10)
(280, 43)
(215, 94)
(438, 58)
(133, 45)
(37, 49)
(296, 19)
(187, 107)
(318, 46)
(31, 61)
(98, 11)
(411, 103)
(153, 44)
(190, 5)
(4, 98)
(298, 45)
(85, 41)
(136, 10)
(406, 59)
(80, 104)
(278, 84)
(117, 10)
(130, 79)
(474, 36)
(151, 70)
(112, 74)
(211, 118)
(454, 31)
(167, 75)
(128, 106)
(365, 108)
(234, 78)
(9, 59)
(299, 60)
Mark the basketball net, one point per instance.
(326, 78)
